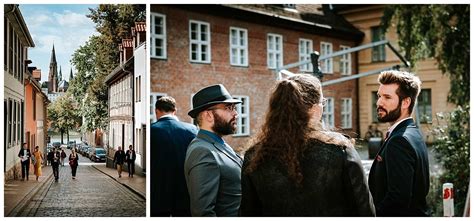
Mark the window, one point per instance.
(346, 113)
(238, 46)
(11, 53)
(345, 63)
(243, 120)
(326, 66)
(378, 53)
(305, 50)
(153, 98)
(15, 115)
(274, 51)
(5, 43)
(328, 113)
(138, 89)
(200, 42)
(424, 106)
(375, 97)
(158, 36)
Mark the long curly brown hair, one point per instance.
(288, 128)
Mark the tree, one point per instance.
(63, 115)
(439, 31)
(442, 32)
(98, 58)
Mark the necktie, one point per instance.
(386, 135)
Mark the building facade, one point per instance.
(36, 102)
(121, 109)
(435, 85)
(242, 46)
(16, 42)
(140, 90)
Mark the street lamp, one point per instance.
(316, 68)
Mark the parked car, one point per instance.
(89, 152)
(98, 154)
(85, 151)
(56, 144)
(71, 144)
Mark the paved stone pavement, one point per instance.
(91, 194)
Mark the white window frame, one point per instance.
(158, 36)
(327, 64)
(200, 42)
(153, 99)
(243, 130)
(273, 52)
(305, 48)
(328, 113)
(346, 113)
(242, 50)
(345, 62)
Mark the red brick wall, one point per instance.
(178, 77)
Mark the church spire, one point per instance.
(60, 74)
(53, 56)
(70, 76)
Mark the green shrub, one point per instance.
(451, 146)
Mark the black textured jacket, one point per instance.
(334, 184)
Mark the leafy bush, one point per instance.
(451, 146)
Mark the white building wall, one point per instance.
(141, 104)
(14, 90)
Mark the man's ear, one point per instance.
(406, 102)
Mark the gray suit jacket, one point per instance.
(212, 175)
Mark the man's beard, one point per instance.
(221, 127)
(391, 116)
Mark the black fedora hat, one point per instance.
(208, 96)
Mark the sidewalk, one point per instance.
(17, 191)
(136, 184)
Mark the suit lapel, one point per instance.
(403, 124)
(221, 148)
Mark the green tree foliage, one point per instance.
(439, 31)
(452, 146)
(99, 57)
(442, 32)
(63, 114)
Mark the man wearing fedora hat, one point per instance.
(212, 168)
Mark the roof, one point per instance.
(120, 71)
(310, 18)
(140, 26)
(13, 13)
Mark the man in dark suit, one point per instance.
(169, 141)
(399, 176)
(212, 168)
(25, 156)
(54, 157)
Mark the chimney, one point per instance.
(37, 74)
(127, 47)
(140, 29)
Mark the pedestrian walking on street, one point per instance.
(212, 168)
(54, 157)
(169, 140)
(130, 157)
(63, 156)
(73, 162)
(399, 178)
(38, 156)
(25, 156)
(119, 158)
(295, 167)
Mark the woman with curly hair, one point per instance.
(295, 167)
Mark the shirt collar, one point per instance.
(390, 129)
(213, 136)
(169, 115)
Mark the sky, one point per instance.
(64, 25)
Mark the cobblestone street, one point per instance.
(92, 193)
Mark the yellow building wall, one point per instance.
(370, 16)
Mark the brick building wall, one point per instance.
(176, 76)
